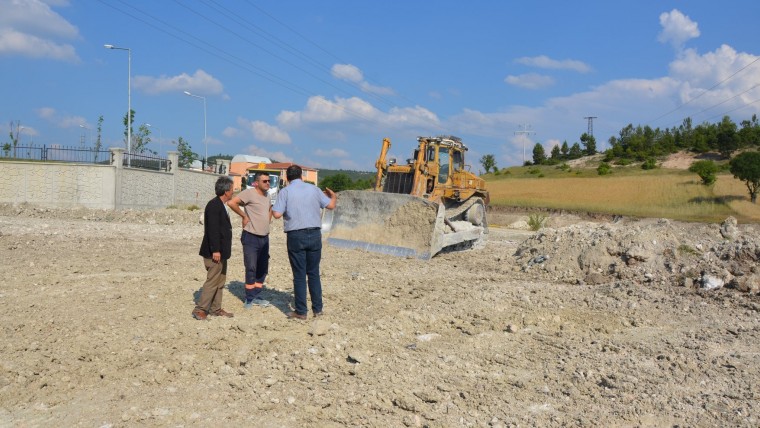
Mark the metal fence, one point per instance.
(56, 153)
(139, 160)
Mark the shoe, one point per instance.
(293, 315)
(318, 314)
(200, 314)
(222, 313)
(256, 302)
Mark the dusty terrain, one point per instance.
(619, 323)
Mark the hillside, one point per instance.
(353, 175)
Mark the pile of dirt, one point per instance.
(646, 251)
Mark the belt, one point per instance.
(304, 229)
(259, 236)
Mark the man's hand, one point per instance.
(216, 257)
(246, 220)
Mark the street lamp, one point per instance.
(205, 142)
(129, 100)
(88, 133)
(160, 147)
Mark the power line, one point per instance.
(525, 131)
(706, 91)
(590, 125)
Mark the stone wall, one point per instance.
(70, 185)
(57, 184)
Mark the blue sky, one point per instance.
(321, 83)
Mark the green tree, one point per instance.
(488, 162)
(98, 140)
(727, 138)
(589, 144)
(186, 154)
(141, 138)
(575, 151)
(746, 167)
(555, 154)
(337, 182)
(14, 138)
(565, 150)
(707, 170)
(539, 154)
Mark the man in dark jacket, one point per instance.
(216, 248)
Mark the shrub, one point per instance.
(536, 221)
(706, 170)
(650, 163)
(604, 169)
(193, 208)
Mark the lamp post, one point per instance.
(205, 142)
(88, 133)
(129, 100)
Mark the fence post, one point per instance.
(224, 166)
(117, 156)
(173, 161)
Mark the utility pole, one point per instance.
(523, 134)
(590, 125)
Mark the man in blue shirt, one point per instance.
(300, 205)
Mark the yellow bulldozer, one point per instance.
(429, 204)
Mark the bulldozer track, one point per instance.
(456, 212)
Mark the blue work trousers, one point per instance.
(305, 252)
(255, 259)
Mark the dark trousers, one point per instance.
(256, 262)
(305, 252)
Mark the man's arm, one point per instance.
(333, 198)
(234, 205)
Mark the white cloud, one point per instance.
(231, 132)
(352, 74)
(264, 132)
(46, 112)
(530, 81)
(278, 156)
(543, 61)
(332, 153)
(52, 116)
(355, 111)
(677, 28)
(14, 42)
(347, 72)
(200, 83)
(30, 28)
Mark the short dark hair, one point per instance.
(223, 184)
(259, 174)
(294, 172)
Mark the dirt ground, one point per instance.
(532, 330)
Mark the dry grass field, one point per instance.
(667, 193)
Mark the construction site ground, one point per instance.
(584, 323)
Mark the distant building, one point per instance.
(246, 165)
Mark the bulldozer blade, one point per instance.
(389, 223)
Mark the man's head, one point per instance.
(262, 180)
(294, 172)
(223, 185)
